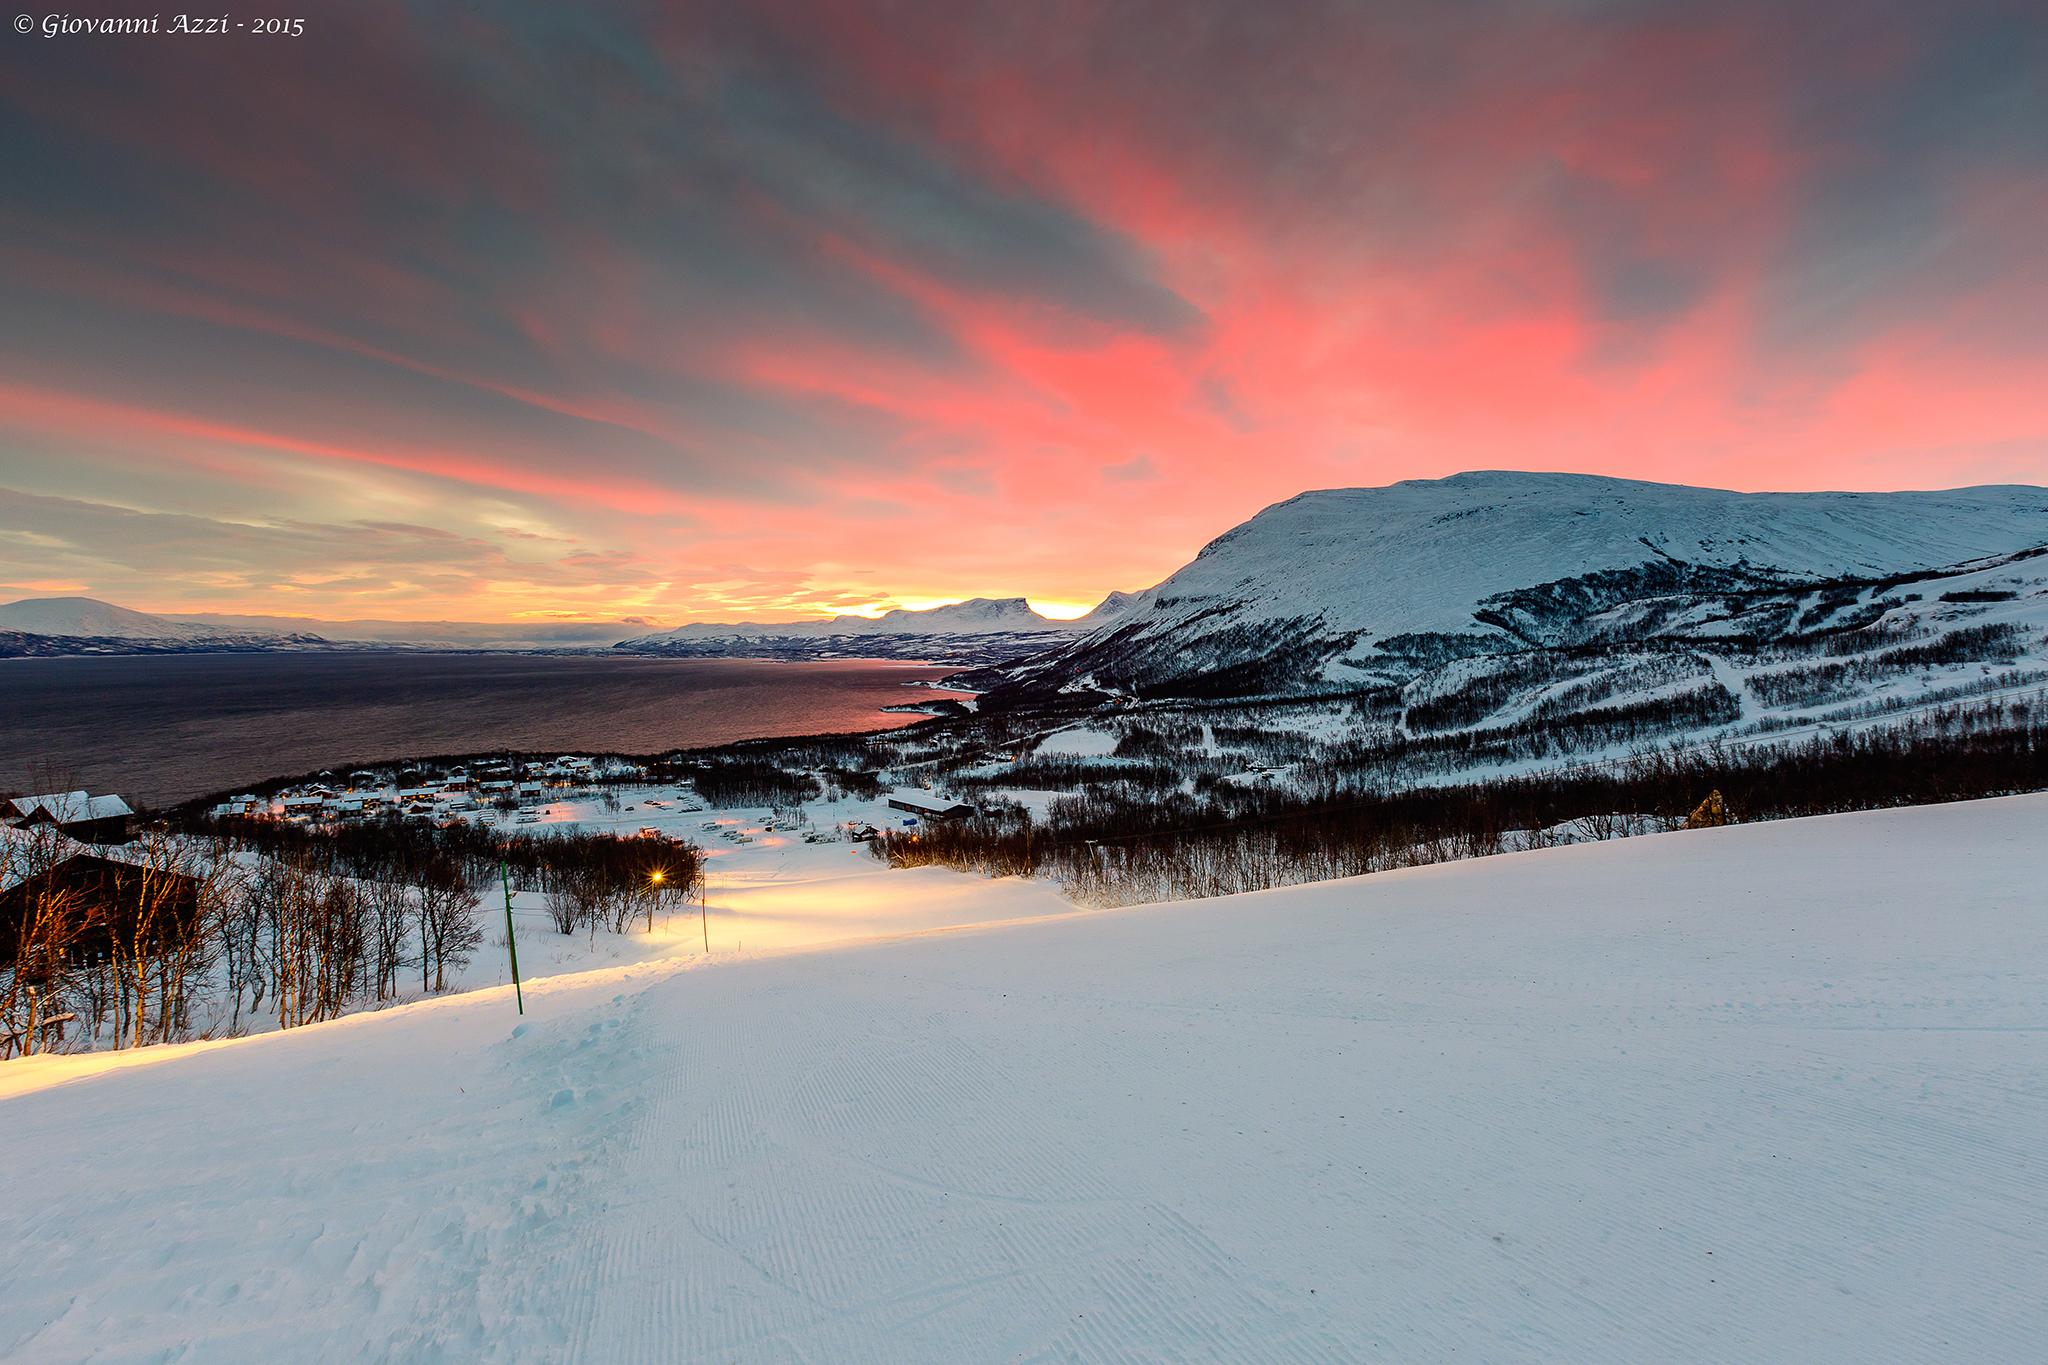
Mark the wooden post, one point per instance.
(505, 880)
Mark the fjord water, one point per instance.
(162, 728)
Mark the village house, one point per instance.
(88, 819)
(930, 807)
(72, 911)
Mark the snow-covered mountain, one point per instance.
(979, 630)
(86, 625)
(88, 617)
(976, 616)
(443, 635)
(38, 626)
(1342, 588)
(1111, 608)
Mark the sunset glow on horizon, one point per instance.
(768, 310)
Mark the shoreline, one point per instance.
(170, 729)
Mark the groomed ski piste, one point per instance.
(1770, 1092)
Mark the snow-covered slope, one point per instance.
(91, 618)
(1754, 1094)
(1111, 608)
(1387, 579)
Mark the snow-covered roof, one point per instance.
(16, 869)
(913, 799)
(70, 807)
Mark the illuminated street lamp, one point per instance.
(653, 888)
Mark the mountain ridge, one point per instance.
(1340, 588)
(89, 625)
(979, 630)
(89, 617)
(974, 616)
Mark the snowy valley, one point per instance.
(1508, 918)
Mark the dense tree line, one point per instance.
(1149, 757)
(1477, 698)
(749, 782)
(1109, 846)
(399, 850)
(1818, 684)
(591, 880)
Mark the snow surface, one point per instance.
(1080, 741)
(1769, 1092)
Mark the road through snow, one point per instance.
(1770, 1092)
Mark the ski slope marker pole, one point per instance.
(505, 880)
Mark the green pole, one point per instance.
(505, 880)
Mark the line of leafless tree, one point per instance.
(1114, 844)
(111, 948)
(195, 933)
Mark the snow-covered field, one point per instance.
(773, 892)
(1769, 1092)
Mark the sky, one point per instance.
(762, 310)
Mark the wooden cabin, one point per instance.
(88, 819)
(88, 900)
(931, 807)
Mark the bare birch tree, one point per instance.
(446, 906)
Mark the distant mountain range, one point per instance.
(86, 625)
(1403, 595)
(45, 626)
(976, 631)
(1343, 591)
(90, 618)
(979, 630)
(457, 635)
